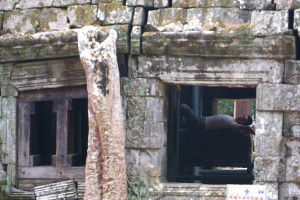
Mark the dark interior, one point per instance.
(216, 157)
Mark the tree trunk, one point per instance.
(105, 169)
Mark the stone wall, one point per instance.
(237, 43)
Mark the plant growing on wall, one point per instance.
(138, 190)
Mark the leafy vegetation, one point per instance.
(138, 190)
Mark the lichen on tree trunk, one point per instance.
(105, 166)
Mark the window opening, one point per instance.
(218, 156)
(78, 123)
(52, 135)
(42, 133)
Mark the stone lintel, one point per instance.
(55, 44)
(196, 43)
(278, 97)
(47, 74)
(210, 71)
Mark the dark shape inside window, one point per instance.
(218, 156)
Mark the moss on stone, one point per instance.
(115, 6)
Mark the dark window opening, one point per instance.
(78, 133)
(42, 133)
(218, 156)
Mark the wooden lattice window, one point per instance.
(52, 135)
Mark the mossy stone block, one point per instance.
(81, 15)
(114, 13)
(21, 21)
(62, 3)
(53, 19)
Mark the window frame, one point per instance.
(61, 168)
(173, 174)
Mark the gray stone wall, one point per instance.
(237, 43)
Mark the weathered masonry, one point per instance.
(203, 48)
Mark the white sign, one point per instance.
(246, 192)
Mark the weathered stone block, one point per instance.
(293, 148)
(4, 155)
(267, 169)
(11, 173)
(208, 44)
(291, 124)
(269, 22)
(292, 72)
(269, 146)
(161, 3)
(3, 128)
(222, 20)
(256, 5)
(139, 16)
(269, 123)
(140, 162)
(204, 3)
(289, 191)
(81, 15)
(297, 20)
(11, 107)
(293, 169)
(145, 134)
(11, 141)
(166, 20)
(105, 1)
(132, 67)
(61, 3)
(9, 90)
(141, 109)
(7, 4)
(21, 21)
(141, 87)
(136, 36)
(287, 97)
(53, 19)
(114, 13)
(144, 3)
(25, 4)
(287, 4)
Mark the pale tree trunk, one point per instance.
(105, 169)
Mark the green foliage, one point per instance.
(138, 190)
(226, 108)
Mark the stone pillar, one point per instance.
(276, 142)
(105, 167)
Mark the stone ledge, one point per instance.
(196, 43)
(55, 44)
(188, 190)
